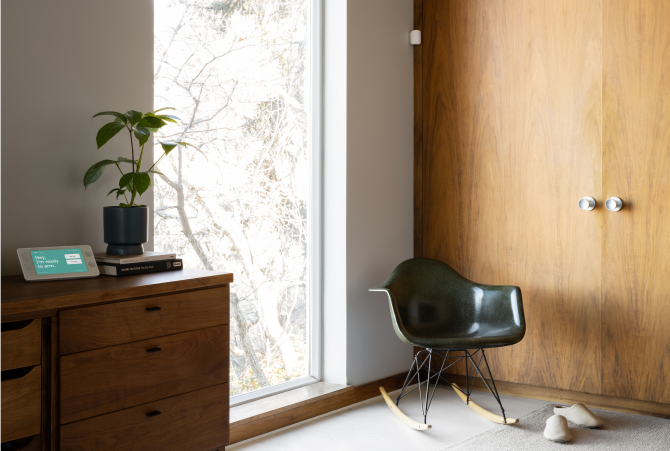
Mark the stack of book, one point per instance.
(127, 265)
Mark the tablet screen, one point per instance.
(58, 261)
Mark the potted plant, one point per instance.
(126, 226)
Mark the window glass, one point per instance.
(235, 72)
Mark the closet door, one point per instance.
(510, 141)
(636, 168)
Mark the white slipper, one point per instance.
(579, 415)
(557, 429)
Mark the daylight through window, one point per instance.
(237, 74)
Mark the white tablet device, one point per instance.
(57, 263)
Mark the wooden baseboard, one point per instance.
(572, 397)
(277, 419)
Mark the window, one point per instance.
(241, 77)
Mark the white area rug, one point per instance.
(622, 431)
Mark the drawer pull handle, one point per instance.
(153, 414)
(154, 350)
(153, 309)
(17, 373)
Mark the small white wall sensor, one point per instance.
(415, 37)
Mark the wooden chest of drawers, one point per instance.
(134, 363)
(21, 379)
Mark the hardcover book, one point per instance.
(119, 270)
(148, 256)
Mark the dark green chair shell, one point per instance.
(432, 306)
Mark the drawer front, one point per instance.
(21, 346)
(110, 379)
(21, 405)
(32, 443)
(196, 421)
(124, 322)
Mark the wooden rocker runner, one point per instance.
(434, 307)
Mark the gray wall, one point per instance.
(368, 185)
(62, 62)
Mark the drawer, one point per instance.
(21, 404)
(21, 344)
(110, 379)
(124, 322)
(33, 443)
(196, 421)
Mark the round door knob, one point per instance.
(587, 203)
(613, 204)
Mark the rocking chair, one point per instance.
(434, 307)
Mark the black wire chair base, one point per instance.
(424, 375)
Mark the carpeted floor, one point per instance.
(622, 431)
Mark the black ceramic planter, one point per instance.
(126, 229)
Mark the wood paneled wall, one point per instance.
(636, 156)
(525, 107)
(511, 134)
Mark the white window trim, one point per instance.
(314, 219)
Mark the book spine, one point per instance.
(128, 261)
(140, 268)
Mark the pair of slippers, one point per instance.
(557, 425)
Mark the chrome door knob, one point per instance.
(587, 203)
(613, 204)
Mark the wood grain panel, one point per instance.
(193, 421)
(22, 405)
(636, 163)
(418, 134)
(22, 347)
(108, 325)
(33, 443)
(109, 379)
(21, 300)
(512, 113)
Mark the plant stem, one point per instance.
(159, 160)
(132, 149)
(139, 163)
(124, 194)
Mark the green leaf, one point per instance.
(141, 181)
(185, 144)
(164, 108)
(155, 172)
(126, 160)
(151, 122)
(107, 132)
(168, 146)
(165, 117)
(119, 192)
(134, 116)
(142, 134)
(122, 117)
(124, 205)
(126, 180)
(154, 130)
(94, 172)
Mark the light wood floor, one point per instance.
(370, 425)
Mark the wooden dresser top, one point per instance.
(23, 300)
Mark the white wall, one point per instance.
(62, 62)
(368, 210)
